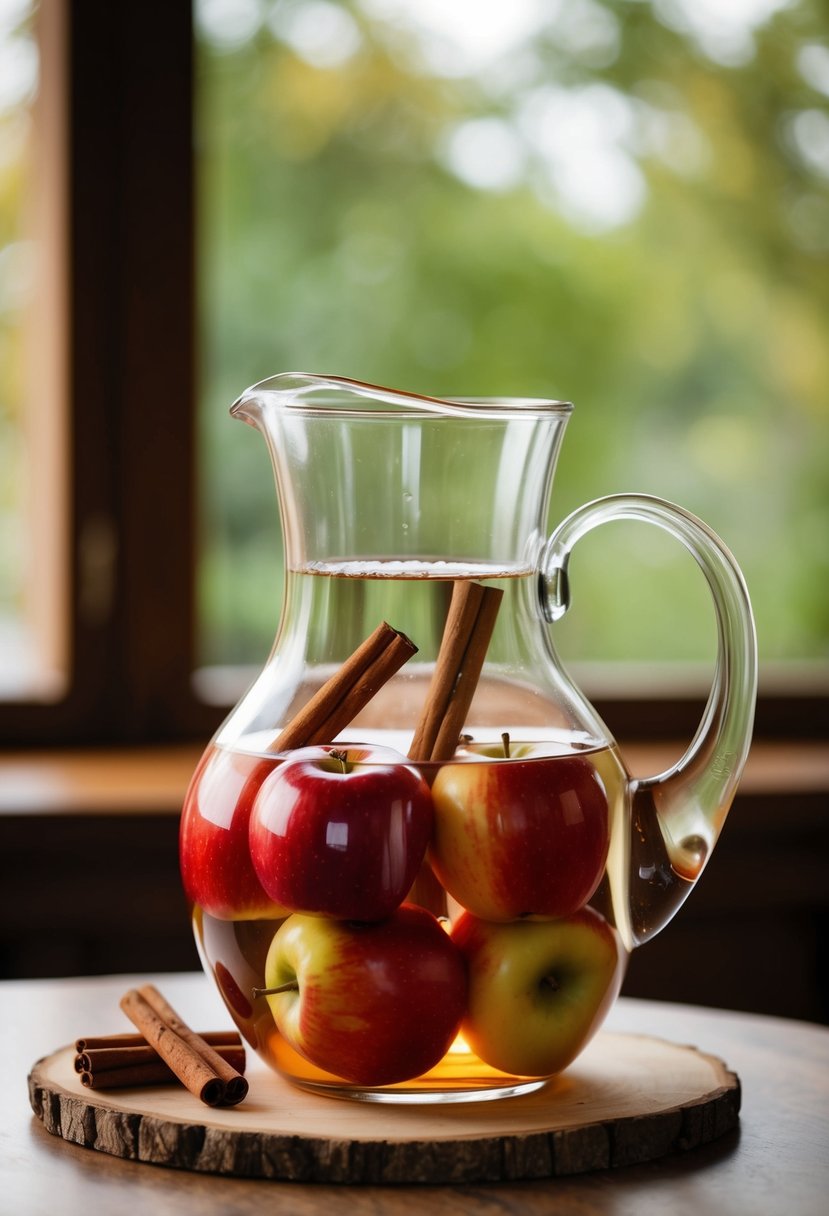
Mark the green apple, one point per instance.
(538, 990)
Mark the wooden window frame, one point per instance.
(132, 390)
(131, 381)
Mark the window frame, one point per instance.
(132, 393)
(131, 380)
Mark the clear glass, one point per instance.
(387, 502)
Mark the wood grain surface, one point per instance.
(775, 1163)
(628, 1099)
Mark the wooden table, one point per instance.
(776, 1164)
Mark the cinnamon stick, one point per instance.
(466, 637)
(152, 1071)
(196, 1064)
(129, 1078)
(110, 1059)
(351, 688)
(94, 1042)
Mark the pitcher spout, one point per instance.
(249, 407)
(323, 393)
(375, 475)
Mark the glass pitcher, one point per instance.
(391, 502)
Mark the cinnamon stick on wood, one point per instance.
(196, 1064)
(130, 1078)
(95, 1042)
(351, 688)
(466, 637)
(143, 1066)
(105, 1059)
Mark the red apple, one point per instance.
(214, 853)
(341, 833)
(518, 837)
(374, 1004)
(538, 990)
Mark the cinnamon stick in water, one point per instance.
(196, 1064)
(351, 688)
(470, 670)
(466, 636)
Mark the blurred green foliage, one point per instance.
(622, 206)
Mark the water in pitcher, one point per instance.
(339, 601)
(414, 597)
(234, 947)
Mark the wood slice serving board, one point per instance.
(627, 1099)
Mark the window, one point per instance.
(33, 365)
(622, 204)
(364, 199)
(127, 244)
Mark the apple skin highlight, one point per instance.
(341, 833)
(520, 838)
(374, 1004)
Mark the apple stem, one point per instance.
(551, 982)
(291, 986)
(505, 741)
(336, 754)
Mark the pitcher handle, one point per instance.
(677, 815)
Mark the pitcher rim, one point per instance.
(295, 387)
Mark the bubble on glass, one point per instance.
(695, 849)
